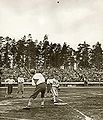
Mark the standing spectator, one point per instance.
(0, 76)
(39, 81)
(20, 84)
(85, 80)
(10, 82)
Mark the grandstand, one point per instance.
(66, 77)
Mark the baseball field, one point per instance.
(83, 103)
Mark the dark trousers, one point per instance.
(41, 88)
(10, 88)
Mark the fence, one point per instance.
(63, 84)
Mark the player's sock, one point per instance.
(42, 103)
(29, 103)
(55, 101)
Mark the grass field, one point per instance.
(83, 104)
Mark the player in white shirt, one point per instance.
(39, 81)
(54, 90)
(52, 85)
(49, 86)
(10, 82)
(20, 84)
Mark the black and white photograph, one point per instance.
(51, 59)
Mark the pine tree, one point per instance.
(82, 55)
(97, 56)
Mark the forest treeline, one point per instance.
(33, 54)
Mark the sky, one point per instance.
(70, 21)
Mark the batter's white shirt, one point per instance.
(37, 79)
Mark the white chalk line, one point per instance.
(85, 116)
(10, 118)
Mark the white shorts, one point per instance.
(54, 91)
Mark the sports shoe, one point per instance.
(60, 100)
(55, 102)
(52, 100)
(23, 96)
(27, 107)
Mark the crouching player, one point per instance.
(39, 81)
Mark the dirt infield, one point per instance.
(82, 104)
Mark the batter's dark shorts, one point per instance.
(41, 88)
